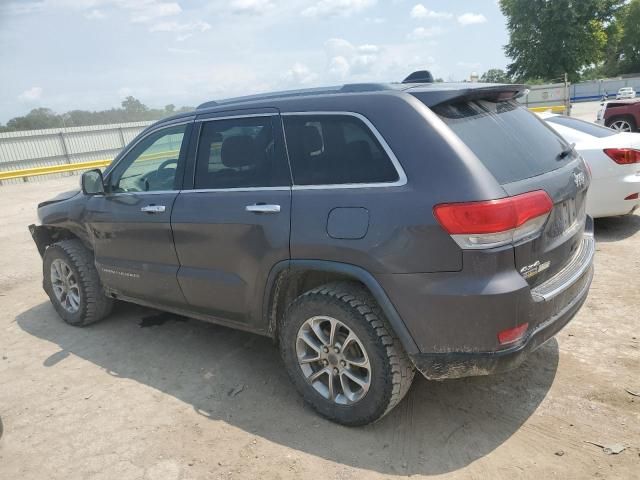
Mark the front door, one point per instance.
(233, 226)
(130, 225)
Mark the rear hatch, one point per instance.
(525, 155)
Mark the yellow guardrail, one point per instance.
(553, 108)
(67, 167)
(72, 167)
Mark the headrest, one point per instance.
(312, 140)
(239, 151)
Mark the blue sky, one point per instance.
(90, 54)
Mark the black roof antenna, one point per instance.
(421, 76)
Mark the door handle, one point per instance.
(262, 208)
(153, 209)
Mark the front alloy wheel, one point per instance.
(65, 286)
(333, 360)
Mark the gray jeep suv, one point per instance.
(370, 229)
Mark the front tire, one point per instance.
(342, 356)
(73, 285)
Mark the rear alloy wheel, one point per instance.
(333, 360)
(343, 356)
(622, 125)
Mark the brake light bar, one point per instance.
(623, 156)
(493, 223)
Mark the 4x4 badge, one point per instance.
(579, 179)
(534, 269)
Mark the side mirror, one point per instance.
(92, 183)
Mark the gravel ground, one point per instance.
(146, 395)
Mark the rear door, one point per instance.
(524, 154)
(231, 226)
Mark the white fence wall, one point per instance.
(58, 146)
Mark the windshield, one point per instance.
(511, 141)
(582, 126)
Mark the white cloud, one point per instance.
(425, 32)
(347, 59)
(94, 14)
(331, 8)
(148, 11)
(251, 7)
(299, 74)
(197, 26)
(420, 11)
(31, 95)
(471, 19)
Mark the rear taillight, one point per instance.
(633, 196)
(623, 156)
(494, 223)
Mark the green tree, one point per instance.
(550, 38)
(132, 110)
(495, 75)
(630, 38)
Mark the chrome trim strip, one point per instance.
(402, 177)
(239, 189)
(231, 117)
(570, 274)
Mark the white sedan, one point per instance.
(626, 92)
(614, 160)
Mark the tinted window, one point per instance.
(240, 153)
(152, 164)
(511, 141)
(334, 150)
(582, 126)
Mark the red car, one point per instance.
(621, 115)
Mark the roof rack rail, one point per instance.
(207, 105)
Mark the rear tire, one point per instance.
(368, 377)
(73, 285)
(622, 124)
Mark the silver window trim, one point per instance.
(232, 117)
(238, 189)
(132, 145)
(402, 177)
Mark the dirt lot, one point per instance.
(147, 396)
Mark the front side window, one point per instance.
(152, 164)
(240, 153)
(335, 150)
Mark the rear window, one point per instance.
(511, 141)
(582, 126)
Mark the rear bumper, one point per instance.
(440, 366)
(606, 197)
(455, 318)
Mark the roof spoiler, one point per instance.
(492, 92)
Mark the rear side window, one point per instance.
(582, 126)
(240, 153)
(335, 150)
(512, 142)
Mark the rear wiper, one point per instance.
(567, 151)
